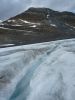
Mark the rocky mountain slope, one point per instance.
(37, 25)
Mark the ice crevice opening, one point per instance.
(43, 71)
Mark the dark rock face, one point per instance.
(37, 25)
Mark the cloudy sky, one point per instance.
(10, 8)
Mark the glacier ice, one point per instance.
(43, 71)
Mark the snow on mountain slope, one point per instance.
(43, 71)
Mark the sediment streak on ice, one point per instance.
(43, 71)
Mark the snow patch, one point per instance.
(11, 21)
(53, 25)
(31, 23)
(33, 26)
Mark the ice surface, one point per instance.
(43, 71)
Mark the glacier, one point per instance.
(42, 71)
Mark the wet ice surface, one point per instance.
(43, 71)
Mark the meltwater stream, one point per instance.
(43, 71)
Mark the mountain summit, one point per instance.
(37, 25)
